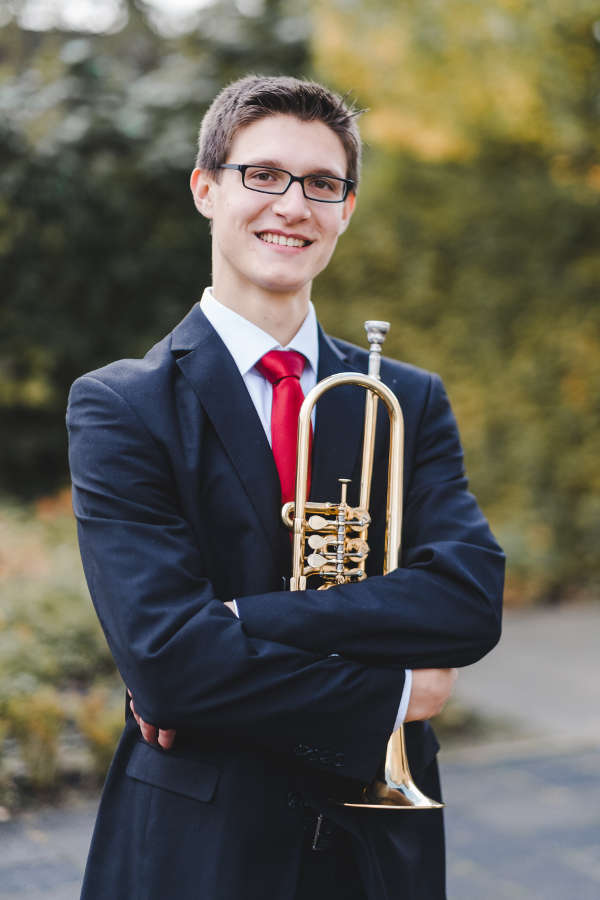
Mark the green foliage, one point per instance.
(476, 235)
(55, 668)
(489, 275)
(100, 721)
(35, 721)
(103, 251)
(440, 77)
(49, 634)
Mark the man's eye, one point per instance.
(263, 176)
(323, 184)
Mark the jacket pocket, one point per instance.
(172, 772)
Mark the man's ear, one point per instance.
(348, 209)
(203, 185)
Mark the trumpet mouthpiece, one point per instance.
(376, 331)
(376, 334)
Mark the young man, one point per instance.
(253, 705)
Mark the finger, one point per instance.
(148, 732)
(166, 736)
(135, 713)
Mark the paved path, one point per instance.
(42, 854)
(524, 828)
(523, 810)
(543, 678)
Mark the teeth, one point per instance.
(282, 240)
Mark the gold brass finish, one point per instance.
(336, 536)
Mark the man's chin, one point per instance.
(284, 287)
(286, 282)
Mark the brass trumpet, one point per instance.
(335, 536)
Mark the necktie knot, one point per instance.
(278, 364)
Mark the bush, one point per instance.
(50, 633)
(35, 722)
(52, 652)
(100, 721)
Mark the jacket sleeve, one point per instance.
(188, 661)
(442, 607)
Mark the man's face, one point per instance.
(245, 257)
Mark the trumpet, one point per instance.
(330, 542)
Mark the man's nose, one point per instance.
(293, 203)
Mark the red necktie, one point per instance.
(283, 369)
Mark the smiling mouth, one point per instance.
(282, 240)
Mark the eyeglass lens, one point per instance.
(277, 181)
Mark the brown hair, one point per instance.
(257, 96)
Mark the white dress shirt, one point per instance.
(247, 344)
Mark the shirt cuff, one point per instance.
(404, 700)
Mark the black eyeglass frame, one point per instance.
(347, 182)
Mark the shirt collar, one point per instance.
(247, 343)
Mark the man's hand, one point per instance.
(165, 737)
(430, 691)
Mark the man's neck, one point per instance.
(280, 315)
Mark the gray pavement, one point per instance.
(42, 853)
(524, 827)
(543, 678)
(523, 803)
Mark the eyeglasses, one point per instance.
(268, 180)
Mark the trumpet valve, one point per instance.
(316, 561)
(320, 523)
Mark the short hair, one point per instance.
(258, 96)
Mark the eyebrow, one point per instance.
(277, 164)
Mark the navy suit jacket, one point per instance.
(178, 506)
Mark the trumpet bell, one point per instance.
(396, 789)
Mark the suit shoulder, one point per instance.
(131, 377)
(417, 390)
(393, 371)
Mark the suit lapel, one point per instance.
(338, 428)
(210, 369)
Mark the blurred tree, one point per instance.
(102, 251)
(440, 77)
(477, 236)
